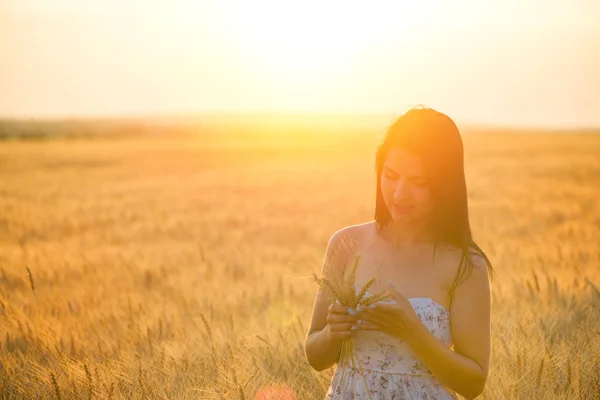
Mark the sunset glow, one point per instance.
(515, 63)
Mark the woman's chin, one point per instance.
(401, 217)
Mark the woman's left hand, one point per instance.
(399, 320)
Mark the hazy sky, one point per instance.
(516, 62)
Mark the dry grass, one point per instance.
(180, 268)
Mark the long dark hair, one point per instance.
(435, 138)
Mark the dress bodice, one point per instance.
(381, 352)
(390, 368)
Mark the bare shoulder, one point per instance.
(352, 236)
(453, 256)
(474, 256)
(345, 243)
(478, 261)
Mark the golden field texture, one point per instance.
(180, 266)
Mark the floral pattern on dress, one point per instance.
(387, 387)
(391, 368)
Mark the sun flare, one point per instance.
(300, 44)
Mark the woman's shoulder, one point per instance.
(343, 244)
(455, 256)
(474, 255)
(356, 233)
(350, 239)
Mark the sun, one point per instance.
(312, 42)
(291, 40)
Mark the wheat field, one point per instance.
(178, 266)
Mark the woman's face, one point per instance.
(405, 187)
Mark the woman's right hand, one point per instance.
(340, 321)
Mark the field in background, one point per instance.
(177, 266)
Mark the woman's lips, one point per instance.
(402, 209)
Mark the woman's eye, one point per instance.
(390, 176)
(421, 183)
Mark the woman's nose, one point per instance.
(401, 190)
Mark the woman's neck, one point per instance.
(403, 236)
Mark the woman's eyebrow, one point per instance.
(394, 172)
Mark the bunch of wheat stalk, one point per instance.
(342, 290)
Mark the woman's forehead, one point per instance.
(400, 160)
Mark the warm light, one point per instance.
(510, 62)
(312, 46)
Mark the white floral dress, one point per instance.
(391, 369)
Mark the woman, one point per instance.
(431, 339)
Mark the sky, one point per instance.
(511, 62)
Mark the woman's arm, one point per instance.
(321, 348)
(465, 369)
(322, 352)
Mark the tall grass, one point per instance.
(180, 268)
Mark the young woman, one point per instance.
(431, 339)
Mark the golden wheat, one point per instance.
(173, 267)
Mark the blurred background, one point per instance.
(171, 172)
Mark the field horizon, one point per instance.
(223, 122)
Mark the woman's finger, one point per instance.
(374, 316)
(337, 318)
(341, 327)
(342, 335)
(337, 309)
(368, 326)
(342, 310)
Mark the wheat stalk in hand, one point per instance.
(342, 290)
